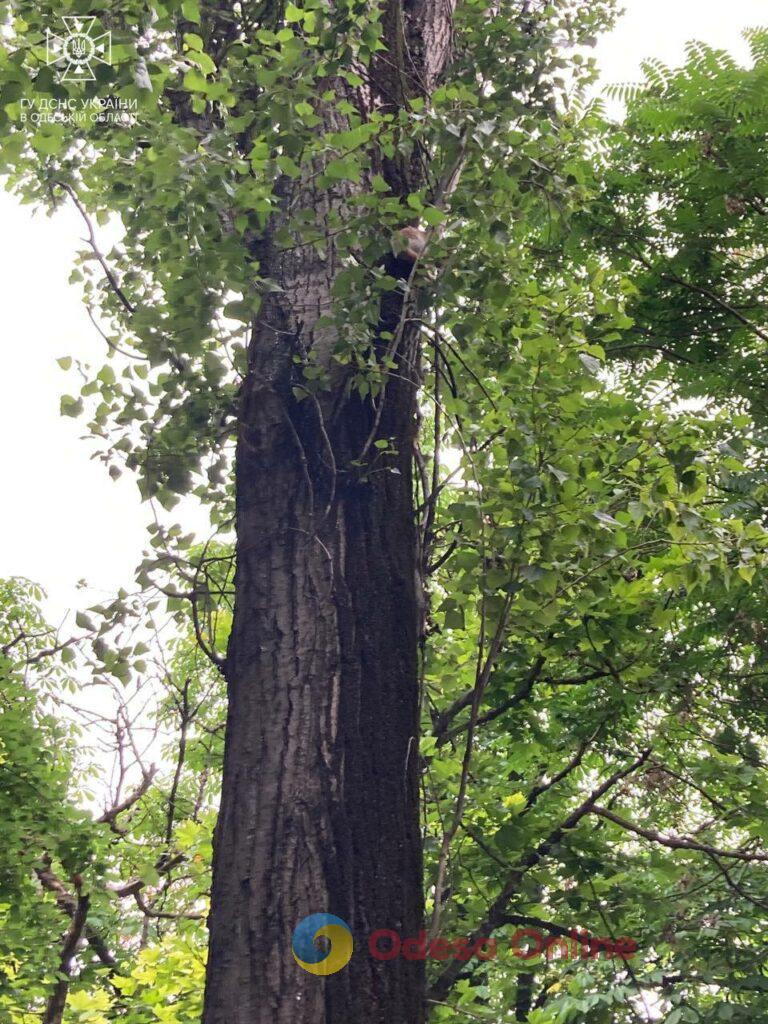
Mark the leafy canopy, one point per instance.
(591, 494)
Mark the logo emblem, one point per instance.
(78, 50)
(310, 956)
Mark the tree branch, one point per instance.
(54, 1010)
(572, 765)
(108, 817)
(449, 835)
(113, 282)
(497, 912)
(162, 866)
(444, 719)
(67, 903)
(677, 842)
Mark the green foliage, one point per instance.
(55, 842)
(682, 217)
(591, 490)
(36, 777)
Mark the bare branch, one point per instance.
(113, 282)
(148, 911)
(678, 842)
(162, 866)
(67, 903)
(108, 817)
(54, 1010)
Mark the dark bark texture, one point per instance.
(320, 808)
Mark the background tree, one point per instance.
(682, 213)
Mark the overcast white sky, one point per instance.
(62, 518)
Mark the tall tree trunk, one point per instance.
(319, 808)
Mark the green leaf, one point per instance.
(343, 170)
(84, 621)
(71, 406)
(191, 10)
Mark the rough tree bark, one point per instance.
(319, 808)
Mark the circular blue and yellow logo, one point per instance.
(322, 961)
